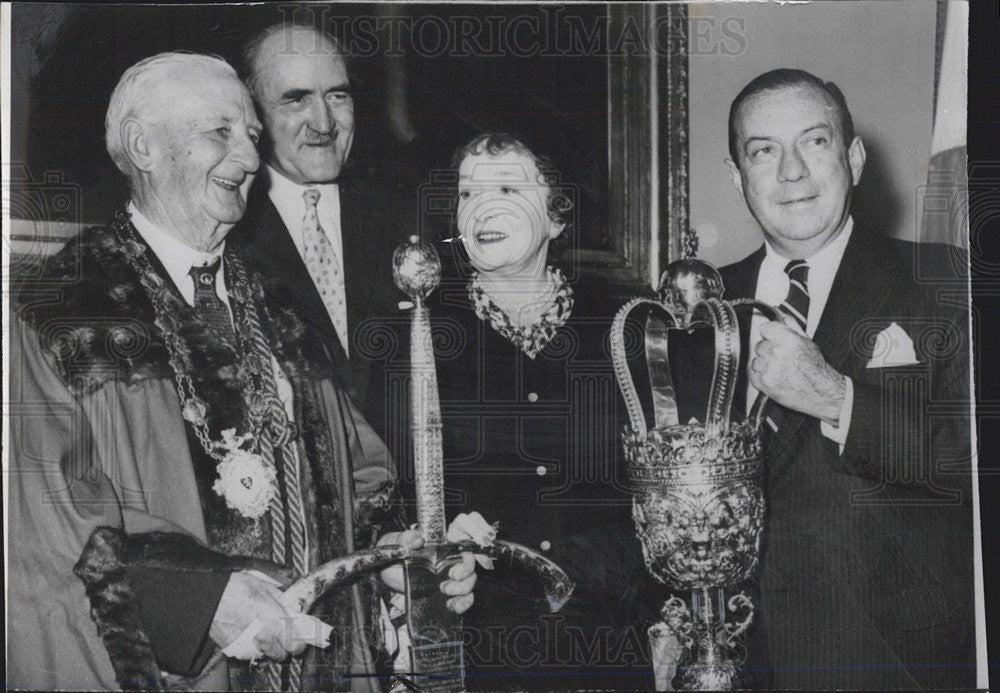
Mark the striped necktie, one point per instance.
(796, 303)
(796, 306)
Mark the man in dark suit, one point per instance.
(320, 235)
(866, 578)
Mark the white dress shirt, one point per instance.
(288, 200)
(772, 288)
(178, 258)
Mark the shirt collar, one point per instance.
(284, 193)
(824, 261)
(177, 257)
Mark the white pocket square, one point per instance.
(893, 347)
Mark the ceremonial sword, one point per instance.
(436, 650)
(436, 654)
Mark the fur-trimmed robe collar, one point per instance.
(93, 317)
(103, 326)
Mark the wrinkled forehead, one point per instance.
(508, 167)
(786, 110)
(202, 95)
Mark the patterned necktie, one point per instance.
(324, 268)
(796, 303)
(208, 304)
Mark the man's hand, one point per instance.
(393, 575)
(460, 583)
(461, 576)
(467, 526)
(246, 599)
(472, 526)
(790, 369)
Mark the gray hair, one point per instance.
(130, 96)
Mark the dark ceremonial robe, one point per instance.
(372, 225)
(534, 445)
(866, 576)
(98, 441)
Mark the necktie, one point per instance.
(208, 304)
(796, 306)
(796, 303)
(324, 268)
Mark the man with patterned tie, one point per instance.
(322, 237)
(866, 577)
(179, 446)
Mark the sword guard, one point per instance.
(436, 558)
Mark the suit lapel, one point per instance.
(362, 255)
(267, 240)
(865, 279)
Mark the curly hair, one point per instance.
(558, 203)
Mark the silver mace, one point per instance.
(436, 654)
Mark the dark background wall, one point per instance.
(459, 81)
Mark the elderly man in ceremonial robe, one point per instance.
(173, 427)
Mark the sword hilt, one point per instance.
(416, 270)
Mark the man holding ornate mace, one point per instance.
(180, 448)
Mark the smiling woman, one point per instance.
(530, 429)
(506, 216)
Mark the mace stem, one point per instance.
(707, 614)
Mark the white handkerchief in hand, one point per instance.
(305, 628)
(475, 527)
(893, 347)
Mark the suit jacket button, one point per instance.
(546, 545)
(532, 397)
(541, 470)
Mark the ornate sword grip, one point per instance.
(557, 585)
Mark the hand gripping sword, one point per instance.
(435, 633)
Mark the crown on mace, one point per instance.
(717, 449)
